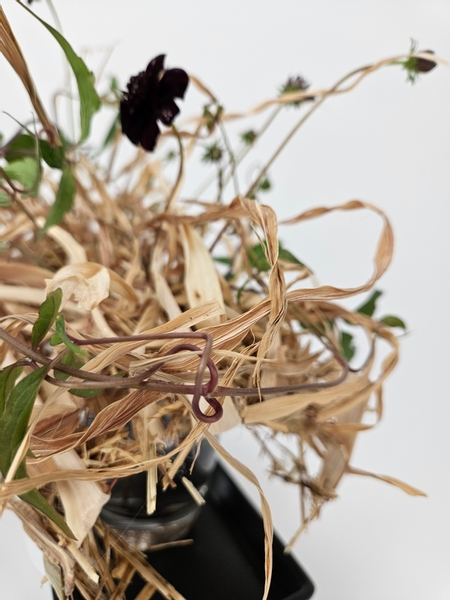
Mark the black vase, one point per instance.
(226, 559)
(176, 510)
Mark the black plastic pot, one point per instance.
(175, 513)
(226, 559)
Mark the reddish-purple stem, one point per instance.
(205, 361)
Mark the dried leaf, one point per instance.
(82, 500)
(88, 282)
(201, 279)
(409, 489)
(13, 54)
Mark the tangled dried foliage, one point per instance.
(148, 304)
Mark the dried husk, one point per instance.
(146, 269)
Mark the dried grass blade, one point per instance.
(145, 570)
(183, 322)
(409, 489)
(147, 592)
(382, 258)
(11, 50)
(82, 500)
(266, 219)
(28, 275)
(82, 561)
(284, 406)
(74, 251)
(196, 496)
(28, 296)
(339, 451)
(163, 292)
(265, 509)
(201, 280)
(112, 417)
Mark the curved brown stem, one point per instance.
(198, 390)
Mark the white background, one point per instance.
(387, 143)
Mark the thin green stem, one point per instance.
(259, 133)
(232, 158)
(242, 154)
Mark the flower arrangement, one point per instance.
(131, 318)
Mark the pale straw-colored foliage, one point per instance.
(128, 270)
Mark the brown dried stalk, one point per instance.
(10, 48)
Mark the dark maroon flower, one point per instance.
(150, 98)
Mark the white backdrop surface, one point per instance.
(387, 143)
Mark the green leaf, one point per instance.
(89, 100)
(348, 348)
(257, 258)
(25, 171)
(212, 118)
(16, 414)
(213, 153)
(114, 85)
(284, 254)
(13, 427)
(70, 359)
(248, 137)
(110, 136)
(368, 308)
(37, 500)
(25, 145)
(74, 360)
(265, 185)
(8, 378)
(86, 393)
(48, 311)
(20, 146)
(5, 200)
(63, 200)
(225, 260)
(54, 157)
(392, 321)
(60, 337)
(55, 340)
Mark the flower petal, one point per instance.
(133, 120)
(149, 97)
(154, 68)
(173, 84)
(149, 135)
(168, 112)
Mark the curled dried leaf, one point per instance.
(88, 282)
